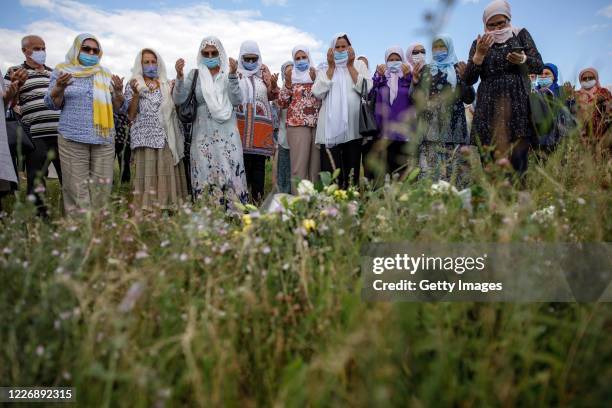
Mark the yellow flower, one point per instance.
(309, 225)
(247, 220)
(341, 195)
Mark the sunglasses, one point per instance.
(250, 59)
(90, 50)
(588, 78)
(417, 52)
(210, 54)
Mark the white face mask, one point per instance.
(501, 36)
(39, 57)
(588, 84)
(418, 58)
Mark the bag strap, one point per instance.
(195, 81)
(364, 90)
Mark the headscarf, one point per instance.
(249, 47)
(104, 125)
(595, 73)
(215, 90)
(366, 58)
(554, 88)
(168, 117)
(297, 76)
(393, 77)
(284, 68)
(336, 122)
(500, 7)
(409, 50)
(448, 65)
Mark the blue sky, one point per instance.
(573, 34)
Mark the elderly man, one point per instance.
(32, 78)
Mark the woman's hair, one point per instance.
(346, 38)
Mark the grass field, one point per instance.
(204, 308)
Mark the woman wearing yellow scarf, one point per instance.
(87, 94)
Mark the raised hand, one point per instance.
(313, 73)
(381, 69)
(266, 76)
(483, 44)
(117, 84)
(351, 57)
(20, 76)
(416, 73)
(288, 77)
(63, 80)
(331, 61)
(233, 65)
(406, 69)
(134, 86)
(179, 66)
(461, 66)
(274, 81)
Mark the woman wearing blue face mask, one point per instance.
(391, 89)
(302, 114)
(338, 86)
(550, 110)
(217, 166)
(87, 94)
(156, 136)
(439, 94)
(548, 80)
(255, 120)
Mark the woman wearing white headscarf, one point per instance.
(217, 166)
(302, 115)
(156, 136)
(440, 94)
(416, 54)
(339, 86)
(502, 60)
(255, 118)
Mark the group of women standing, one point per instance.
(317, 114)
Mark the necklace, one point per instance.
(152, 85)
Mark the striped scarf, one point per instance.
(102, 98)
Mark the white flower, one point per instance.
(40, 350)
(142, 255)
(131, 297)
(306, 188)
(443, 187)
(544, 215)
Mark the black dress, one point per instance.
(502, 103)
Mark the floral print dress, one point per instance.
(217, 165)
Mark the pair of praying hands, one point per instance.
(382, 68)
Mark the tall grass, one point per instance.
(205, 308)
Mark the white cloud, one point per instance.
(274, 2)
(606, 11)
(173, 32)
(593, 28)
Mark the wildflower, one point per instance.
(341, 195)
(443, 187)
(404, 198)
(309, 225)
(306, 188)
(131, 297)
(40, 189)
(504, 162)
(183, 257)
(142, 254)
(581, 201)
(266, 250)
(40, 350)
(31, 198)
(544, 215)
(164, 243)
(247, 220)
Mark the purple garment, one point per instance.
(386, 113)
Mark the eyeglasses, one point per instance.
(417, 52)
(588, 78)
(210, 54)
(497, 26)
(250, 59)
(90, 50)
